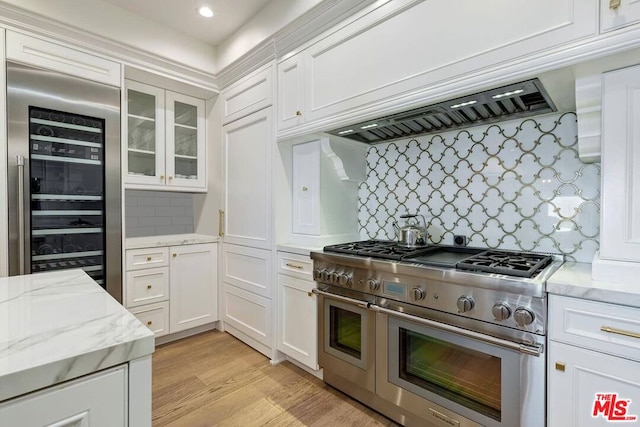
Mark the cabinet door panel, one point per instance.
(627, 13)
(620, 234)
(145, 159)
(250, 317)
(193, 289)
(248, 144)
(248, 95)
(248, 268)
(185, 141)
(298, 320)
(98, 400)
(577, 376)
(306, 188)
(290, 92)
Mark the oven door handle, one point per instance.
(359, 303)
(533, 350)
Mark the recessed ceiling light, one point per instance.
(205, 11)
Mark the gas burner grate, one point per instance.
(386, 249)
(508, 263)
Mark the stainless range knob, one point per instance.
(523, 316)
(418, 294)
(326, 275)
(317, 274)
(345, 279)
(465, 303)
(335, 277)
(373, 284)
(501, 311)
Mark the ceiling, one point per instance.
(182, 15)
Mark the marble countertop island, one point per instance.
(57, 326)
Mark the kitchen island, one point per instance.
(70, 353)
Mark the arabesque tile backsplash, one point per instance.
(514, 185)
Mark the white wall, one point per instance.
(124, 27)
(274, 16)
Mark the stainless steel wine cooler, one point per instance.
(64, 175)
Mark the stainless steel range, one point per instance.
(435, 335)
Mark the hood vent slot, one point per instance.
(518, 100)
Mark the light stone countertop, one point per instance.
(297, 249)
(573, 279)
(61, 325)
(168, 240)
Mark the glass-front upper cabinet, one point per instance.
(165, 139)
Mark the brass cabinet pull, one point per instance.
(220, 222)
(149, 323)
(148, 286)
(298, 113)
(162, 177)
(560, 366)
(175, 255)
(299, 267)
(310, 294)
(614, 4)
(148, 258)
(170, 178)
(620, 332)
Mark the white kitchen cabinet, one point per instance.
(165, 142)
(52, 56)
(298, 312)
(616, 14)
(248, 95)
(97, 400)
(248, 145)
(357, 65)
(619, 254)
(194, 296)
(291, 92)
(593, 349)
(247, 300)
(174, 288)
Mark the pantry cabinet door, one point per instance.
(248, 145)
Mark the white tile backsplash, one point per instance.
(514, 185)
(158, 213)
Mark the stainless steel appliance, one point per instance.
(439, 335)
(64, 175)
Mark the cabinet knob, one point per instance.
(162, 177)
(305, 189)
(170, 178)
(149, 323)
(175, 255)
(614, 4)
(148, 258)
(148, 286)
(560, 366)
(310, 294)
(299, 113)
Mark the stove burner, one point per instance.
(386, 249)
(508, 263)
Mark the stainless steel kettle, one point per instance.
(411, 234)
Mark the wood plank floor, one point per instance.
(213, 379)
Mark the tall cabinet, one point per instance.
(246, 220)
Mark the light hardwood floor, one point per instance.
(213, 379)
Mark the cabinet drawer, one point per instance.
(295, 265)
(154, 317)
(138, 259)
(608, 328)
(146, 286)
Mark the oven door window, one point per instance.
(346, 331)
(468, 377)
(475, 379)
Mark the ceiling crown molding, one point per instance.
(14, 18)
(311, 24)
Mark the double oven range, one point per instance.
(435, 335)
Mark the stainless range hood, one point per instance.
(517, 100)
